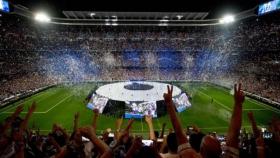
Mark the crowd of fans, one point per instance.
(41, 55)
(18, 140)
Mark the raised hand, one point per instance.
(149, 119)
(236, 118)
(125, 132)
(251, 117)
(95, 111)
(130, 122)
(260, 141)
(76, 120)
(32, 108)
(87, 132)
(18, 110)
(239, 96)
(118, 123)
(164, 125)
(195, 128)
(162, 130)
(168, 96)
(260, 146)
(94, 119)
(77, 116)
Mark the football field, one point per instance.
(60, 103)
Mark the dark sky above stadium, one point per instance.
(214, 7)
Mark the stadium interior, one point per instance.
(89, 81)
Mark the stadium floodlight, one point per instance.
(114, 24)
(227, 19)
(42, 17)
(163, 24)
(179, 17)
(164, 20)
(115, 18)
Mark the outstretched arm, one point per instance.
(76, 121)
(149, 120)
(118, 125)
(260, 147)
(18, 135)
(94, 120)
(162, 130)
(31, 109)
(258, 136)
(181, 136)
(7, 124)
(236, 118)
(101, 146)
(254, 125)
(125, 132)
(184, 148)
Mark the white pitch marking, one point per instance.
(44, 111)
(58, 103)
(216, 101)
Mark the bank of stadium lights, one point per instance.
(42, 17)
(227, 19)
(164, 20)
(163, 24)
(111, 24)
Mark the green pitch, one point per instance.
(59, 104)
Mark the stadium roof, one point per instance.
(136, 15)
(214, 7)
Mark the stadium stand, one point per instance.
(90, 53)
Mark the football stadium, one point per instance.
(167, 81)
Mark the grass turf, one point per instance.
(59, 104)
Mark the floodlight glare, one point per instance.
(42, 17)
(227, 19)
(164, 20)
(114, 24)
(179, 16)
